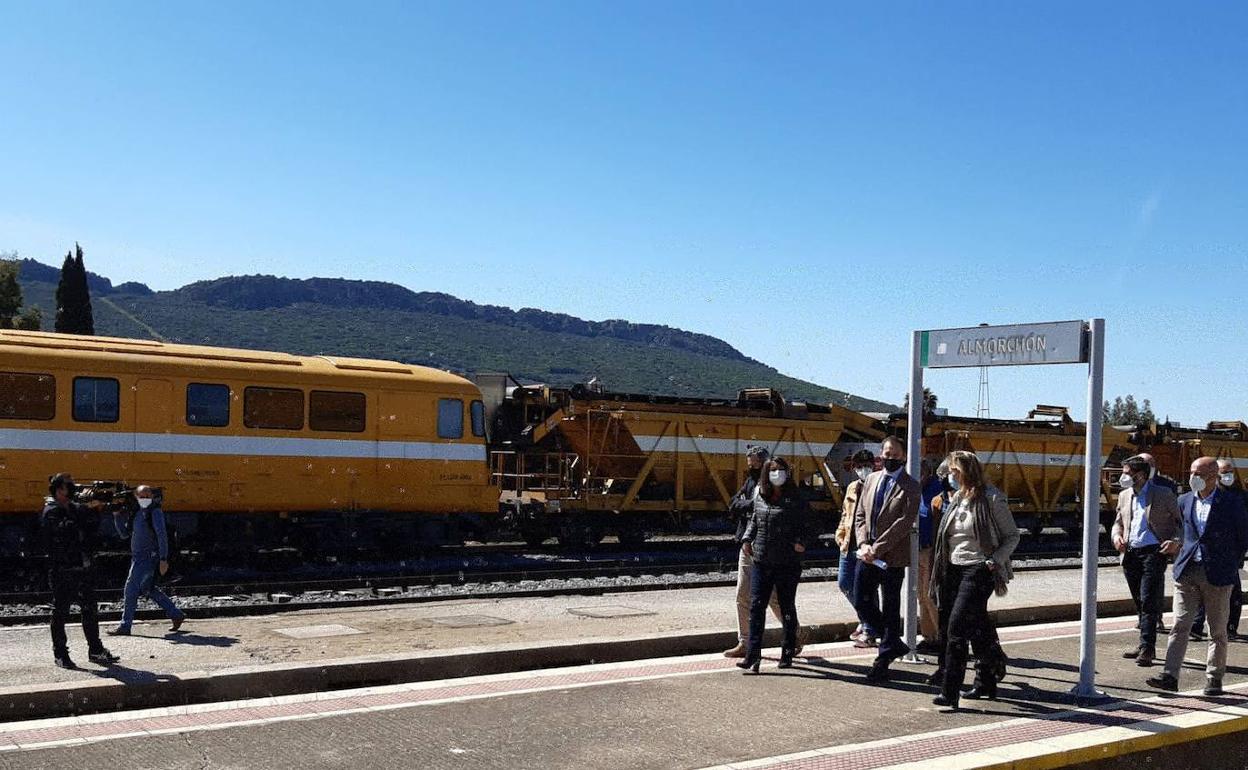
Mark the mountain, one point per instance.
(374, 319)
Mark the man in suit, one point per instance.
(1148, 520)
(1228, 481)
(885, 515)
(1214, 537)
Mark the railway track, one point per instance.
(272, 593)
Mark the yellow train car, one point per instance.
(248, 446)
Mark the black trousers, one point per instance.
(885, 617)
(964, 623)
(783, 579)
(1145, 569)
(69, 586)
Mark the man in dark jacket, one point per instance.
(1228, 481)
(886, 513)
(741, 508)
(1214, 536)
(70, 535)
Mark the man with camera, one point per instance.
(70, 535)
(149, 552)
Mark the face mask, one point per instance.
(1197, 484)
(893, 466)
(777, 478)
(144, 502)
(1152, 472)
(862, 473)
(1227, 479)
(953, 484)
(1125, 481)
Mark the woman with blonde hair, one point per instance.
(974, 542)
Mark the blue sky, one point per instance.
(810, 182)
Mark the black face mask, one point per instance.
(893, 465)
(755, 473)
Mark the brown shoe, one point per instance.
(736, 652)
(177, 623)
(803, 636)
(867, 642)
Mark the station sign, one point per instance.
(1058, 342)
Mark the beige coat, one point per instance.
(1162, 513)
(897, 517)
(847, 514)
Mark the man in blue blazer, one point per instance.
(1213, 539)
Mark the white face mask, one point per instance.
(1227, 479)
(1125, 481)
(777, 478)
(1196, 483)
(862, 473)
(145, 502)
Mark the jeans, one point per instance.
(745, 572)
(142, 582)
(845, 571)
(885, 616)
(782, 580)
(68, 586)
(1145, 569)
(1190, 591)
(964, 593)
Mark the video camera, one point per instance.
(115, 496)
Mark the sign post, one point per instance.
(1061, 342)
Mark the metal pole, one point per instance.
(914, 435)
(1091, 509)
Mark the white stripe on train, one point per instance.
(265, 446)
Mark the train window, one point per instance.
(331, 410)
(450, 418)
(96, 399)
(207, 406)
(478, 418)
(279, 408)
(27, 396)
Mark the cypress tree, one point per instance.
(65, 304)
(10, 294)
(73, 297)
(84, 291)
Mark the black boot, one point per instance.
(786, 659)
(948, 701)
(751, 662)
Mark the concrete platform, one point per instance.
(685, 712)
(309, 651)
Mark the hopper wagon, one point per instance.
(1037, 462)
(579, 463)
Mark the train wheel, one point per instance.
(533, 537)
(577, 535)
(632, 535)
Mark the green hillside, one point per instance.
(333, 316)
